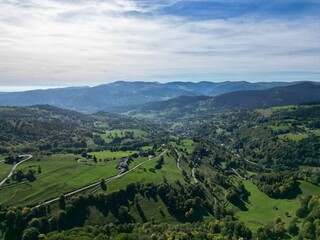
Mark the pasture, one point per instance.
(4, 170)
(110, 135)
(186, 145)
(293, 136)
(111, 155)
(62, 173)
(59, 174)
(143, 174)
(262, 210)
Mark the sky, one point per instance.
(54, 43)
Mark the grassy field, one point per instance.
(186, 145)
(280, 127)
(4, 170)
(150, 208)
(111, 134)
(143, 175)
(309, 168)
(60, 174)
(261, 209)
(110, 155)
(146, 148)
(309, 189)
(269, 111)
(317, 132)
(101, 124)
(292, 136)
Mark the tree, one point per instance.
(30, 234)
(11, 217)
(308, 231)
(42, 237)
(95, 159)
(293, 229)
(30, 175)
(35, 223)
(302, 212)
(103, 184)
(62, 202)
(61, 220)
(159, 163)
(84, 154)
(18, 175)
(233, 197)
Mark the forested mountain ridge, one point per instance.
(197, 106)
(48, 128)
(294, 94)
(120, 95)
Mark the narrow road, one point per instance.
(178, 160)
(238, 155)
(28, 157)
(97, 183)
(215, 200)
(236, 172)
(194, 176)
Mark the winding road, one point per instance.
(194, 175)
(192, 170)
(236, 172)
(28, 157)
(178, 160)
(121, 174)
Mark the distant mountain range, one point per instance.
(181, 106)
(122, 96)
(306, 92)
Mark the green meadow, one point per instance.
(110, 155)
(143, 174)
(59, 174)
(62, 173)
(293, 136)
(186, 145)
(4, 170)
(263, 210)
(109, 135)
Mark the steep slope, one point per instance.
(43, 128)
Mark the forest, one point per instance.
(192, 178)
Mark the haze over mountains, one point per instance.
(120, 96)
(181, 106)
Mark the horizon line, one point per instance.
(25, 88)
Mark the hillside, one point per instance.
(294, 94)
(119, 96)
(48, 128)
(208, 185)
(202, 105)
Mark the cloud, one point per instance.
(91, 41)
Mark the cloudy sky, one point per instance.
(89, 42)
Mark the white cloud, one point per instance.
(83, 42)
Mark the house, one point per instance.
(123, 166)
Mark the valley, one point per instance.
(159, 120)
(207, 170)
